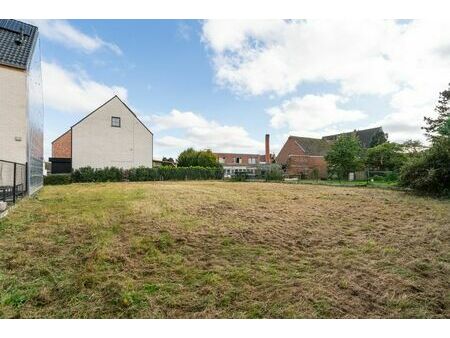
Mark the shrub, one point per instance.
(391, 177)
(274, 173)
(57, 179)
(314, 174)
(430, 172)
(88, 174)
(378, 178)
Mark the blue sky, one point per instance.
(224, 84)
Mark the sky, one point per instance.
(223, 85)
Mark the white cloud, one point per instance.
(409, 63)
(310, 113)
(201, 133)
(63, 32)
(75, 92)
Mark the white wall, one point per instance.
(13, 114)
(95, 143)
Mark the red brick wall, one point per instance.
(304, 164)
(289, 148)
(62, 146)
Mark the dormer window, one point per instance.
(115, 121)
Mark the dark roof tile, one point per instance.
(365, 135)
(17, 40)
(312, 146)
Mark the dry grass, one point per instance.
(214, 249)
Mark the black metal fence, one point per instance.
(13, 181)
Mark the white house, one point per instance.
(111, 136)
(21, 106)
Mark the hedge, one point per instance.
(165, 173)
(57, 179)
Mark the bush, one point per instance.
(378, 178)
(274, 173)
(164, 173)
(88, 174)
(391, 177)
(430, 172)
(57, 179)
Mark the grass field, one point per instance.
(227, 250)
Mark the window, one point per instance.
(221, 159)
(237, 160)
(251, 160)
(115, 121)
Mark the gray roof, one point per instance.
(365, 136)
(17, 40)
(312, 146)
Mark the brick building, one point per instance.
(299, 156)
(302, 156)
(250, 163)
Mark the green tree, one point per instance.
(386, 156)
(192, 158)
(378, 138)
(412, 147)
(345, 156)
(188, 158)
(207, 159)
(438, 125)
(429, 172)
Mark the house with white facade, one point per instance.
(110, 136)
(21, 109)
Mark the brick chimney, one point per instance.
(267, 148)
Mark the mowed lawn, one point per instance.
(224, 250)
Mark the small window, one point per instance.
(221, 159)
(237, 160)
(115, 121)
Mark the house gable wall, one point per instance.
(97, 144)
(62, 146)
(289, 148)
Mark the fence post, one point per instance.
(26, 178)
(14, 183)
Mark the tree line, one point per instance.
(425, 169)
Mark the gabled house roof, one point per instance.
(115, 96)
(312, 146)
(365, 135)
(17, 41)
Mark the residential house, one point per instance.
(234, 163)
(305, 156)
(111, 136)
(21, 106)
(299, 156)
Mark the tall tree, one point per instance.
(436, 126)
(378, 138)
(345, 156)
(188, 158)
(386, 156)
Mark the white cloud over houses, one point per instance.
(63, 32)
(200, 133)
(406, 62)
(75, 92)
(311, 113)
